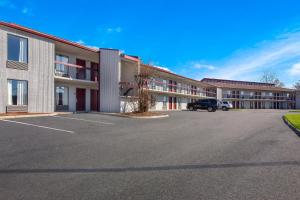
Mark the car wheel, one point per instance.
(191, 108)
(210, 109)
(224, 109)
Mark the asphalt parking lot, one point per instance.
(190, 155)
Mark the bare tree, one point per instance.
(144, 98)
(270, 77)
(297, 85)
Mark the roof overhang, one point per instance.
(44, 35)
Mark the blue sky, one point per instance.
(212, 38)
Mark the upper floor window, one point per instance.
(179, 88)
(17, 49)
(153, 83)
(164, 85)
(60, 68)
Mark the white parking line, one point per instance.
(45, 127)
(85, 120)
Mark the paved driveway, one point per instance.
(191, 155)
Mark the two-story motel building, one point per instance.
(253, 95)
(41, 73)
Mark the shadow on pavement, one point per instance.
(146, 169)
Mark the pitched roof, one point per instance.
(245, 85)
(48, 36)
(177, 75)
(216, 80)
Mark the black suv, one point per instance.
(204, 104)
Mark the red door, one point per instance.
(175, 103)
(80, 97)
(170, 103)
(238, 105)
(94, 100)
(81, 71)
(94, 72)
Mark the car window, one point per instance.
(212, 101)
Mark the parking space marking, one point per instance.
(45, 127)
(85, 120)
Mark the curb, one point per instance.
(28, 116)
(297, 131)
(136, 117)
(147, 117)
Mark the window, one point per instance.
(164, 103)
(251, 95)
(174, 86)
(152, 101)
(179, 88)
(17, 49)
(242, 104)
(61, 68)
(263, 105)
(17, 92)
(61, 96)
(179, 103)
(153, 84)
(164, 85)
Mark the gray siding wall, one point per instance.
(110, 76)
(40, 73)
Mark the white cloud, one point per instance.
(197, 65)
(156, 64)
(269, 55)
(81, 42)
(295, 70)
(163, 68)
(93, 47)
(27, 11)
(113, 30)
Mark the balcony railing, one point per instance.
(257, 97)
(164, 87)
(72, 71)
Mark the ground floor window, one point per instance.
(165, 101)
(179, 103)
(17, 92)
(62, 96)
(270, 105)
(242, 104)
(251, 105)
(153, 102)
